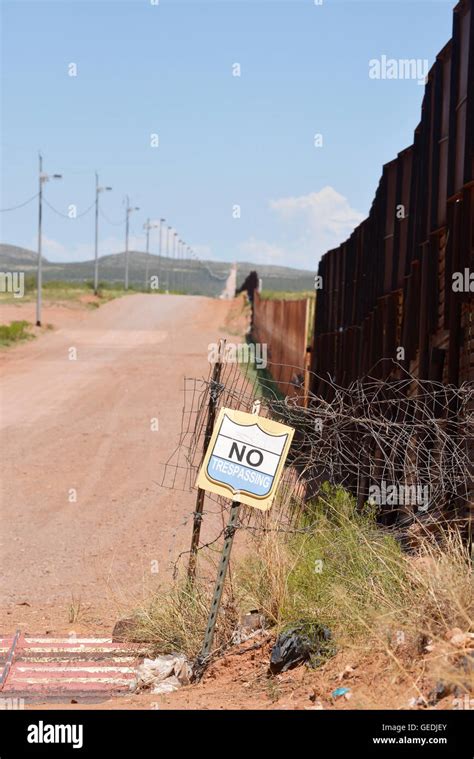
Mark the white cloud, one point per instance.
(261, 252)
(310, 225)
(326, 213)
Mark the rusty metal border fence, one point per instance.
(387, 291)
(386, 312)
(283, 326)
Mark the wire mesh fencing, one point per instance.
(402, 445)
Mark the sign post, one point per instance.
(244, 461)
(211, 416)
(219, 586)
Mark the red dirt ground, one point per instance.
(85, 425)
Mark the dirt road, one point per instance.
(83, 516)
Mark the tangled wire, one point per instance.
(405, 445)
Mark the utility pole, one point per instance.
(174, 256)
(167, 255)
(188, 270)
(181, 255)
(147, 226)
(162, 221)
(129, 210)
(39, 275)
(178, 257)
(96, 246)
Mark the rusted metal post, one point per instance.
(218, 590)
(203, 659)
(214, 393)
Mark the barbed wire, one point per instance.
(402, 444)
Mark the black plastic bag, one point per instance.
(305, 642)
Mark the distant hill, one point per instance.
(195, 277)
(15, 256)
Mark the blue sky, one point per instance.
(224, 140)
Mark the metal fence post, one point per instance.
(218, 590)
(229, 532)
(211, 417)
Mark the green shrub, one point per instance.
(14, 332)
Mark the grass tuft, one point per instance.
(15, 332)
(175, 620)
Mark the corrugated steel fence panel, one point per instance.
(390, 285)
(283, 326)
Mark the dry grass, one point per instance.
(175, 620)
(74, 610)
(328, 572)
(348, 574)
(343, 571)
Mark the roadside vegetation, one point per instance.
(341, 570)
(55, 291)
(72, 294)
(15, 332)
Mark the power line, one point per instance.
(114, 223)
(65, 215)
(13, 208)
